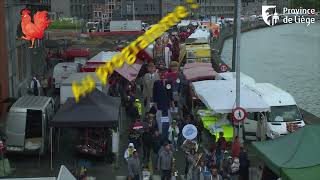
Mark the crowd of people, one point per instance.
(155, 134)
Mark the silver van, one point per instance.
(27, 124)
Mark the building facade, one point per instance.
(167, 6)
(103, 9)
(4, 76)
(215, 8)
(146, 10)
(81, 9)
(23, 62)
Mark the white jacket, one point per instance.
(172, 129)
(235, 166)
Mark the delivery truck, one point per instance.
(135, 25)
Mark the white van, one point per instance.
(62, 71)
(66, 85)
(27, 122)
(283, 110)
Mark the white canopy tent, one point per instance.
(102, 57)
(220, 96)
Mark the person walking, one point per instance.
(162, 96)
(134, 167)
(129, 151)
(214, 174)
(244, 164)
(227, 167)
(236, 147)
(44, 83)
(165, 162)
(221, 147)
(174, 134)
(35, 86)
(147, 145)
(235, 167)
(148, 82)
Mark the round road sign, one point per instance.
(239, 114)
(223, 68)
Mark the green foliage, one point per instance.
(64, 24)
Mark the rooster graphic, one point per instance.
(34, 30)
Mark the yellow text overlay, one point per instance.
(128, 54)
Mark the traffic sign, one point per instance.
(239, 114)
(223, 68)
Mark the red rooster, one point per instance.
(34, 30)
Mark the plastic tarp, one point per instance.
(130, 72)
(298, 160)
(102, 57)
(94, 110)
(197, 71)
(244, 78)
(220, 96)
(200, 33)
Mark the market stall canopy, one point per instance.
(130, 72)
(244, 78)
(298, 160)
(199, 71)
(199, 36)
(94, 110)
(220, 96)
(102, 57)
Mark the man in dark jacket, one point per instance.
(147, 144)
(244, 164)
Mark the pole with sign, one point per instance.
(223, 68)
(237, 68)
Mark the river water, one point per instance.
(287, 56)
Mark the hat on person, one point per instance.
(131, 145)
(174, 121)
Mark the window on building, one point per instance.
(146, 7)
(129, 8)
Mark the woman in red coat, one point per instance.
(236, 147)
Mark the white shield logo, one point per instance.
(269, 17)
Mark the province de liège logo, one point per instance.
(288, 16)
(270, 15)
